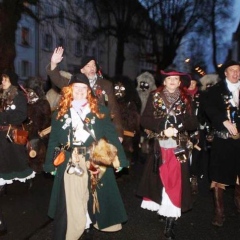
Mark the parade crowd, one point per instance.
(87, 129)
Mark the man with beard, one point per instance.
(102, 88)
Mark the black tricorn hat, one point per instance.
(230, 63)
(13, 77)
(79, 78)
(86, 60)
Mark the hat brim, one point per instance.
(184, 77)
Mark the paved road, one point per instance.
(26, 214)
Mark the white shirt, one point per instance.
(234, 89)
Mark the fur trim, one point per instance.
(209, 79)
(65, 74)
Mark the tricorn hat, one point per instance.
(79, 78)
(184, 77)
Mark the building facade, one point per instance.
(68, 24)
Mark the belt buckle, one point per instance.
(82, 150)
(235, 137)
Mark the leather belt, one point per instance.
(5, 128)
(79, 149)
(226, 135)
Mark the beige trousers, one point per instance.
(77, 195)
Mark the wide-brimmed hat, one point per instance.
(86, 60)
(79, 78)
(13, 77)
(184, 77)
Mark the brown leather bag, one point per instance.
(19, 136)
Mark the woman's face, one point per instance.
(5, 83)
(193, 85)
(80, 91)
(172, 83)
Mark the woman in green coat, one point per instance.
(77, 201)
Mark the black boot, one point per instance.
(168, 231)
(3, 190)
(194, 185)
(237, 197)
(3, 228)
(161, 218)
(88, 233)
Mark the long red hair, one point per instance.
(67, 98)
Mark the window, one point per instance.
(60, 42)
(61, 17)
(25, 69)
(85, 49)
(78, 23)
(93, 51)
(47, 42)
(25, 36)
(78, 48)
(79, 2)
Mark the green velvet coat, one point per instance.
(112, 210)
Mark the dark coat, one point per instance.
(39, 118)
(104, 84)
(224, 162)
(110, 201)
(151, 185)
(13, 161)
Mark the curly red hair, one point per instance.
(67, 98)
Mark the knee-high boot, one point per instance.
(168, 231)
(3, 228)
(219, 209)
(237, 197)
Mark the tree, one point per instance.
(176, 19)
(216, 18)
(10, 14)
(122, 19)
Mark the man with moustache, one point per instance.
(102, 88)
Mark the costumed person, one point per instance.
(39, 118)
(168, 116)
(102, 88)
(129, 106)
(145, 85)
(85, 191)
(13, 112)
(53, 95)
(222, 109)
(197, 137)
(206, 134)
